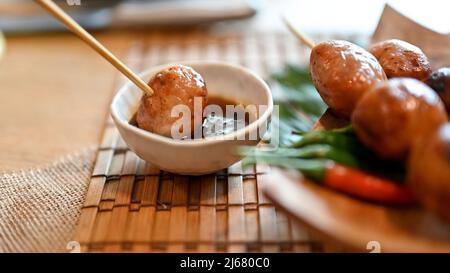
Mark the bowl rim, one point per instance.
(203, 141)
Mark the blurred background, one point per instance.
(18, 16)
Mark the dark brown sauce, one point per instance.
(229, 125)
(220, 101)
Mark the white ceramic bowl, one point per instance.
(198, 156)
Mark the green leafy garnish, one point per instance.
(300, 105)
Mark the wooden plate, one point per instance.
(355, 223)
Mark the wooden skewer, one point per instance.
(64, 18)
(298, 34)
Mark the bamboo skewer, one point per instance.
(298, 34)
(64, 18)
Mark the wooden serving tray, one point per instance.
(357, 224)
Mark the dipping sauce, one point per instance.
(218, 124)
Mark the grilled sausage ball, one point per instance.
(176, 85)
(429, 171)
(342, 72)
(440, 82)
(390, 118)
(401, 59)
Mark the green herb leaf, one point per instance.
(300, 105)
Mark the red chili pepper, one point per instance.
(345, 179)
(366, 186)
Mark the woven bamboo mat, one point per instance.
(133, 206)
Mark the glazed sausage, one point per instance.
(173, 86)
(401, 59)
(429, 171)
(394, 115)
(440, 82)
(342, 72)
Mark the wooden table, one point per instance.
(54, 96)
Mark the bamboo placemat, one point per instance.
(133, 206)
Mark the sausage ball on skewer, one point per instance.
(401, 59)
(440, 82)
(342, 72)
(429, 170)
(176, 85)
(390, 118)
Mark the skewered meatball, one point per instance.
(429, 170)
(390, 118)
(440, 82)
(401, 59)
(342, 72)
(173, 86)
